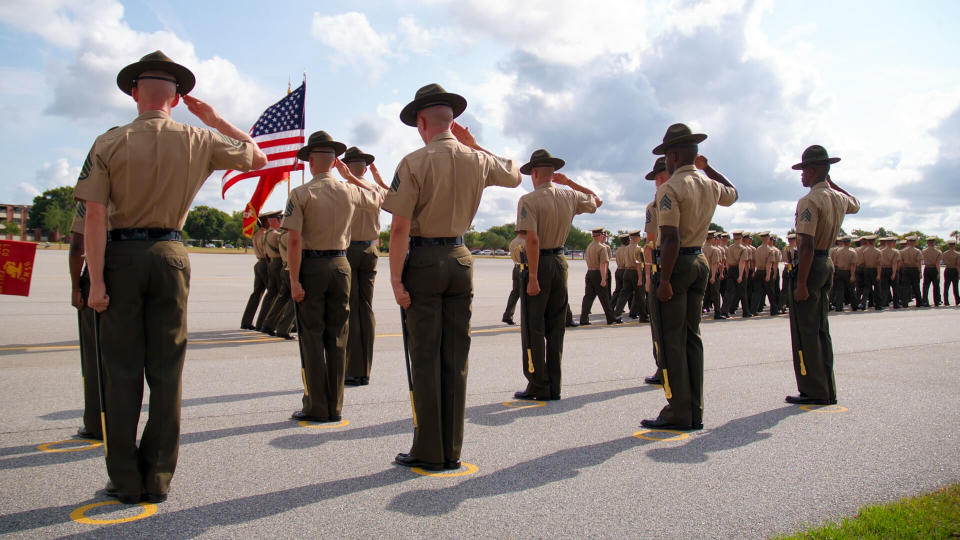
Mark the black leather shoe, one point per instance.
(554, 397)
(802, 399)
(267, 331)
(451, 465)
(409, 461)
(720, 316)
(364, 381)
(747, 315)
(286, 336)
(508, 320)
(350, 380)
(585, 323)
(618, 320)
(247, 327)
(154, 497)
(335, 418)
(111, 491)
(656, 423)
(572, 324)
(653, 380)
(523, 394)
(300, 415)
(85, 433)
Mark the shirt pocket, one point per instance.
(465, 261)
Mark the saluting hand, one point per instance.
(700, 162)
(560, 178)
(202, 110)
(296, 291)
(463, 135)
(343, 170)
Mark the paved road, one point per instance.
(571, 468)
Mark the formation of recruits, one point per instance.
(132, 300)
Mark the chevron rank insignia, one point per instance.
(666, 203)
(806, 215)
(395, 185)
(649, 217)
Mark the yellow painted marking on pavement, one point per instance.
(677, 435)
(526, 404)
(466, 469)
(832, 409)
(79, 515)
(327, 425)
(49, 447)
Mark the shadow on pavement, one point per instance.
(195, 340)
(190, 402)
(733, 434)
(531, 474)
(191, 522)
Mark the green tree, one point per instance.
(10, 227)
(714, 227)
(58, 202)
(507, 230)
(493, 240)
(385, 240)
(205, 223)
(578, 240)
(232, 231)
(473, 239)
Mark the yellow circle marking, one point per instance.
(48, 447)
(79, 515)
(466, 470)
(678, 435)
(831, 409)
(524, 404)
(327, 425)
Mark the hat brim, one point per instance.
(366, 158)
(693, 138)
(652, 175)
(803, 164)
(556, 163)
(128, 75)
(303, 154)
(456, 102)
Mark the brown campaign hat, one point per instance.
(815, 154)
(156, 61)
(678, 134)
(541, 158)
(428, 96)
(355, 154)
(659, 165)
(320, 139)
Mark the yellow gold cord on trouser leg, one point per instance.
(666, 384)
(803, 367)
(413, 408)
(529, 360)
(103, 426)
(303, 375)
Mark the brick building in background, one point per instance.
(18, 213)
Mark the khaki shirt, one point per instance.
(713, 255)
(596, 255)
(746, 254)
(322, 210)
(271, 243)
(911, 256)
(79, 217)
(149, 171)
(548, 210)
(844, 258)
(871, 257)
(734, 253)
(687, 201)
(631, 255)
(439, 186)
(365, 226)
(517, 246)
(788, 252)
(859, 252)
(282, 246)
(931, 257)
(650, 225)
(951, 258)
(820, 214)
(888, 256)
(259, 239)
(761, 255)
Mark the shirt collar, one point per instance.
(544, 185)
(324, 176)
(823, 184)
(153, 114)
(443, 136)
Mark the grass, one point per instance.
(936, 515)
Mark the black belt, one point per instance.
(361, 242)
(552, 251)
(691, 250)
(263, 259)
(312, 253)
(418, 241)
(821, 253)
(157, 235)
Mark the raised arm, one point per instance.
(209, 116)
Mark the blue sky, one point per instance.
(877, 83)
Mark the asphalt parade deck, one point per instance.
(578, 467)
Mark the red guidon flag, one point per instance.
(279, 133)
(16, 266)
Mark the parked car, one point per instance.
(228, 246)
(486, 252)
(499, 252)
(209, 245)
(475, 252)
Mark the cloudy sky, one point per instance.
(596, 83)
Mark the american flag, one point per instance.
(279, 133)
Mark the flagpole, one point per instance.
(303, 171)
